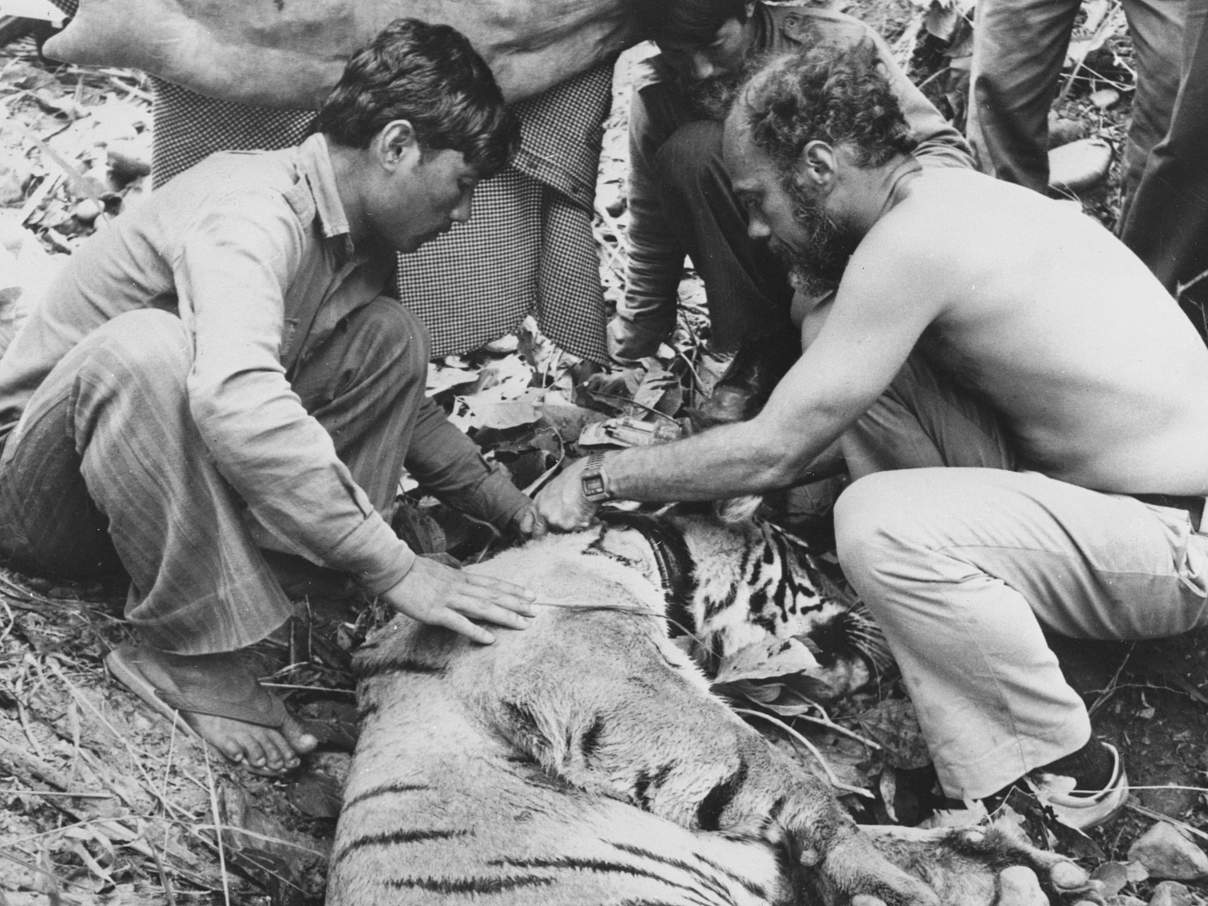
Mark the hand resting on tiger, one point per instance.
(584, 761)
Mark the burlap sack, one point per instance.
(288, 53)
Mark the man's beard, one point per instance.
(711, 98)
(819, 266)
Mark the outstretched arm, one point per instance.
(876, 320)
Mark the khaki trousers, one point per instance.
(966, 561)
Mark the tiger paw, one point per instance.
(987, 866)
(854, 871)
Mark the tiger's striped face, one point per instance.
(752, 583)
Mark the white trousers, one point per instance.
(963, 560)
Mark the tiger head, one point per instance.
(733, 585)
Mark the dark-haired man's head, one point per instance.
(705, 43)
(797, 127)
(430, 76)
(414, 122)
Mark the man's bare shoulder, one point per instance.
(971, 220)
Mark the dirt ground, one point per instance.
(103, 803)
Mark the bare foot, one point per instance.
(218, 697)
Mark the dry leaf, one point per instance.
(761, 661)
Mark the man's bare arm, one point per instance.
(876, 320)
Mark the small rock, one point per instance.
(1112, 875)
(87, 210)
(1124, 900)
(1168, 854)
(1172, 893)
(1079, 165)
(1104, 98)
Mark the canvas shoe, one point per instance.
(1082, 809)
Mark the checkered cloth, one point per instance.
(528, 247)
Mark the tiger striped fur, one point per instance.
(583, 761)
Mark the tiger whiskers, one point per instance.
(825, 720)
(812, 749)
(618, 608)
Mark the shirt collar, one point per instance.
(315, 161)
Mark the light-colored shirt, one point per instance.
(252, 251)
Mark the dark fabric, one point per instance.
(1018, 52)
(1167, 222)
(658, 239)
(747, 287)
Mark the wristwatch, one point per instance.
(593, 480)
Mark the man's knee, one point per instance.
(871, 520)
(384, 334)
(147, 342)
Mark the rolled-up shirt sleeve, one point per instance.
(231, 271)
(646, 315)
(448, 464)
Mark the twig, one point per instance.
(1181, 288)
(213, 791)
(263, 838)
(169, 808)
(12, 620)
(1112, 684)
(628, 401)
(23, 718)
(68, 794)
(57, 895)
(164, 880)
(302, 688)
(825, 721)
(1104, 25)
(813, 750)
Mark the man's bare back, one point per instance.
(1100, 378)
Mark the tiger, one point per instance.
(584, 760)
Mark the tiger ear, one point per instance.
(737, 509)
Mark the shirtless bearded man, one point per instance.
(1021, 403)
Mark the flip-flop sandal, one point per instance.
(258, 708)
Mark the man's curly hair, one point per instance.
(837, 95)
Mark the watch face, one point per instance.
(593, 487)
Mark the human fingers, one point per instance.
(460, 624)
(483, 610)
(494, 590)
(563, 507)
(527, 523)
(550, 506)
